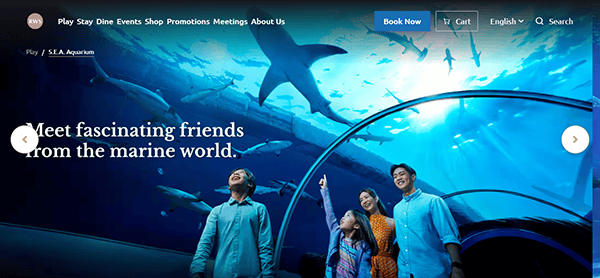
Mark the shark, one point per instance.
(469, 124)
(576, 200)
(290, 187)
(588, 83)
(96, 141)
(402, 40)
(267, 146)
(291, 63)
(260, 190)
(474, 51)
(449, 58)
(279, 187)
(151, 102)
(202, 94)
(371, 137)
(180, 198)
(400, 101)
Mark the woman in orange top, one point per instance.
(383, 265)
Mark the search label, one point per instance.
(568, 21)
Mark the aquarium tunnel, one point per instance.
(497, 160)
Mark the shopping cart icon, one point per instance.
(446, 21)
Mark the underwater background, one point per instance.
(457, 144)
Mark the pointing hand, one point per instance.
(323, 182)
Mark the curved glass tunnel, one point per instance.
(497, 159)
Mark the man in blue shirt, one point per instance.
(425, 231)
(242, 230)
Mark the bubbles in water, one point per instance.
(160, 171)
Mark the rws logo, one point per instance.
(35, 21)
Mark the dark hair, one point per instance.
(372, 193)
(365, 233)
(251, 180)
(408, 169)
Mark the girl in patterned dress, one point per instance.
(383, 265)
(351, 242)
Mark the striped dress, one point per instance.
(346, 267)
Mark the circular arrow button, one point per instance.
(575, 139)
(24, 139)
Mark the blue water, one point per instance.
(507, 144)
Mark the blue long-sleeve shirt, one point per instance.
(424, 226)
(242, 233)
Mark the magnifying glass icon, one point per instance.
(539, 20)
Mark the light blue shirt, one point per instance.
(424, 226)
(242, 232)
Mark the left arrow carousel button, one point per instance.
(24, 139)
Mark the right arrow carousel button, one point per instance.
(575, 139)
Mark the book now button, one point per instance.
(416, 21)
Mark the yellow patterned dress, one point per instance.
(383, 265)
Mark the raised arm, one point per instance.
(329, 215)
